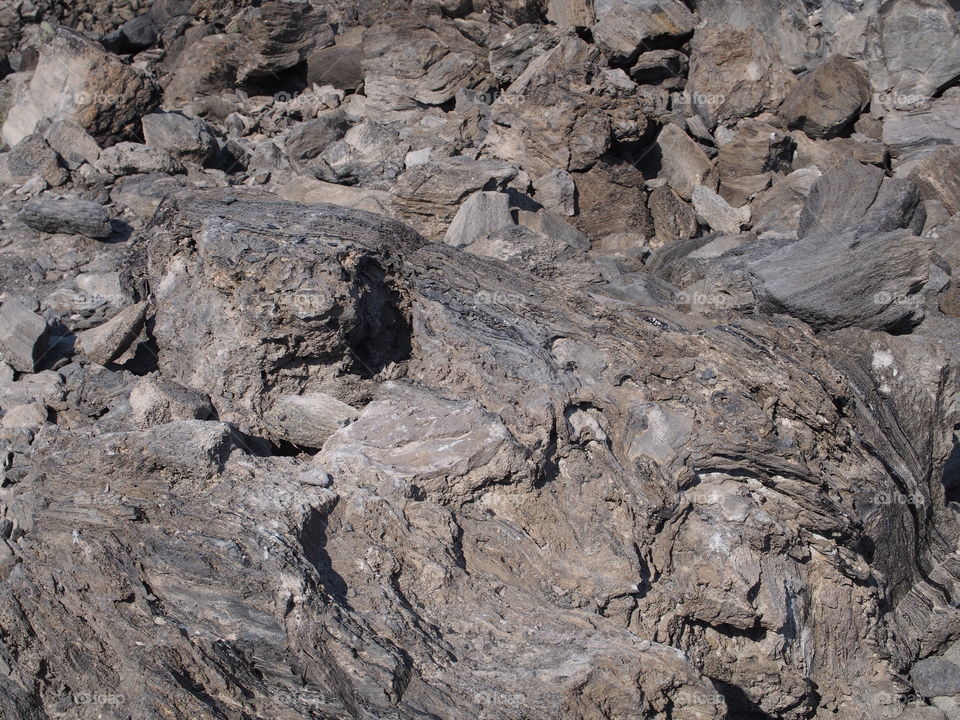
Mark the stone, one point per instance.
(776, 212)
(668, 67)
(107, 342)
(826, 101)
(77, 80)
(311, 138)
(557, 192)
(624, 29)
(127, 158)
(133, 36)
(937, 175)
(340, 66)
(204, 67)
(72, 143)
(734, 74)
(684, 165)
(513, 52)
(278, 35)
(935, 677)
(70, 215)
(717, 213)
(23, 336)
(482, 214)
(30, 416)
(32, 159)
(154, 401)
(180, 136)
(308, 420)
(571, 13)
(673, 219)
(906, 133)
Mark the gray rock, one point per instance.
(828, 100)
(31, 416)
(23, 336)
(69, 215)
(311, 138)
(906, 133)
(32, 158)
(482, 214)
(278, 35)
(557, 192)
(673, 219)
(625, 28)
(72, 143)
(308, 420)
(129, 158)
(935, 677)
(717, 213)
(340, 66)
(684, 165)
(668, 67)
(107, 342)
(154, 401)
(513, 52)
(133, 36)
(937, 175)
(180, 136)
(836, 279)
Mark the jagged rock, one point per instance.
(557, 191)
(673, 219)
(204, 67)
(129, 158)
(107, 342)
(308, 419)
(734, 74)
(828, 100)
(180, 136)
(840, 278)
(69, 215)
(78, 80)
(72, 143)
(935, 677)
(340, 66)
(684, 165)
(776, 212)
(30, 416)
(717, 213)
(623, 29)
(937, 175)
(571, 13)
(311, 138)
(278, 35)
(23, 336)
(482, 214)
(906, 133)
(32, 158)
(133, 36)
(660, 66)
(154, 401)
(369, 154)
(512, 53)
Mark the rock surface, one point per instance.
(497, 359)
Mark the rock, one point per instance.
(776, 212)
(277, 35)
(836, 279)
(370, 154)
(107, 342)
(906, 133)
(204, 67)
(23, 336)
(937, 175)
(311, 138)
(69, 215)
(684, 165)
(154, 402)
(340, 66)
(717, 213)
(935, 677)
(571, 13)
(129, 158)
(623, 29)
(673, 219)
(308, 420)
(557, 192)
(180, 136)
(482, 214)
(734, 74)
(78, 81)
(72, 143)
(133, 36)
(861, 197)
(30, 416)
(826, 101)
(32, 159)
(668, 67)
(513, 52)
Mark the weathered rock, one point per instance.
(557, 192)
(72, 143)
(309, 419)
(30, 416)
(776, 212)
(78, 80)
(278, 35)
(180, 136)
(512, 53)
(673, 219)
(935, 677)
(825, 102)
(684, 165)
(23, 336)
(69, 215)
(734, 74)
(937, 175)
(154, 401)
(623, 29)
(906, 133)
(571, 13)
(107, 342)
(482, 214)
(668, 67)
(129, 158)
(204, 67)
(340, 66)
(32, 159)
(717, 213)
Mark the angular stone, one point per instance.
(105, 343)
(513, 52)
(74, 144)
(277, 35)
(684, 165)
(77, 80)
(937, 175)
(340, 66)
(826, 101)
(23, 336)
(180, 136)
(626, 27)
(308, 420)
(935, 677)
(129, 158)
(30, 416)
(69, 215)
(204, 67)
(717, 213)
(660, 66)
(154, 401)
(673, 219)
(571, 13)
(482, 214)
(32, 158)
(906, 133)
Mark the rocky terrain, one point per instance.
(479, 359)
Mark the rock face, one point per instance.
(479, 359)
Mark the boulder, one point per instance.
(154, 401)
(23, 336)
(308, 420)
(70, 215)
(482, 214)
(624, 28)
(180, 136)
(826, 101)
(683, 164)
(105, 343)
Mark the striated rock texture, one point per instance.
(479, 359)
